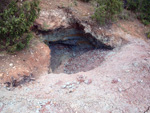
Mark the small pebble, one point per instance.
(63, 87)
(70, 86)
(68, 83)
(78, 83)
(119, 80)
(71, 90)
(1, 74)
(11, 64)
(127, 71)
(73, 85)
(114, 81)
(89, 81)
(119, 89)
(140, 81)
(81, 78)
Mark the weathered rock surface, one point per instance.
(104, 35)
(64, 18)
(51, 20)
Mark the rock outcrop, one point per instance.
(51, 20)
(65, 18)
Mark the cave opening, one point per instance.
(73, 50)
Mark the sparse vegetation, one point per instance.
(148, 35)
(15, 23)
(141, 8)
(16, 19)
(107, 10)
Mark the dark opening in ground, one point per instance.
(74, 51)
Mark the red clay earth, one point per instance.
(30, 62)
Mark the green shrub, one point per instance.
(107, 10)
(141, 8)
(15, 23)
(148, 35)
(125, 15)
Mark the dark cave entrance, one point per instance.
(73, 50)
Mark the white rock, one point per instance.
(140, 81)
(127, 71)
(119, 89)
(119, 80)
(68, 83)
(11, 64)
(1, 74)
(64, 86)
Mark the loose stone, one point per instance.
(89, 81)
(63, 87)
(11, 64)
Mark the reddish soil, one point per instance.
(31, 61)
(132, 27)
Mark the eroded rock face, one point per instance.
(104, 36)
(64, 18)
(52, 19)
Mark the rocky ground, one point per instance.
(119, 84)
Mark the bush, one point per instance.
(15, 23)
(148, 35)
(107, 10)
(141, 8)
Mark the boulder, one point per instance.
(51, 20)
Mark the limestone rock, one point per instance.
(51, 20)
